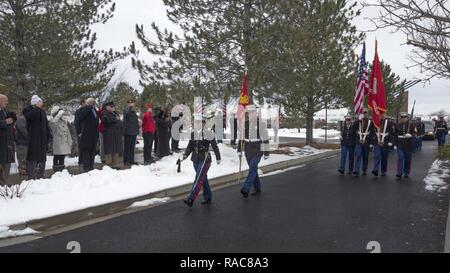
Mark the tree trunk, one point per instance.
(309, 122)
(19, 47)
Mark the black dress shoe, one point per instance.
(206, 202)
(244, 193)
(375, 173)
(188, 202)
(364, 173)
(341, 171)
(383, 174)
(406, 176)
(398, 177)
(355, 174)
(257, 192)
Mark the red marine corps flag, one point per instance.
(244, 99)
(377, 95)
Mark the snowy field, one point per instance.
(64, 192)
(301, 133)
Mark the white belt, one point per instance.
(252, 140)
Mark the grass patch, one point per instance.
(444, 153)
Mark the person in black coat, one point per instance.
(382, 140)
(87, 132)
(39, 136)
(251, 143)
(78, 129)
(7, 120)
(348, 142)
(162, 124)
(131, 130)
(198, 146)
(112, 136)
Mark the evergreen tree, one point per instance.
(47, 48)
(121, 94)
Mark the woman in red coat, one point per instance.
(148, 132)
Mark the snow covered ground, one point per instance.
(5, 232)
(64, 192)
(70, 161)
(438, 173)
(301, 133)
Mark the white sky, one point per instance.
(120, 32)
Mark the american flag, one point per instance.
(362, 85)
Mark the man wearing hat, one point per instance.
(39, 136)
(251, 142)
(198, 146)
(348, 142)
(405, 145)
(364, 129)
(382, 140)
(112, 136)
(131, 130)
(440, 130)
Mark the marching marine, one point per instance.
(405, 145)
(364, 129)
(198, 146)
(382, 141)
(348, 142)
(251, 142)
(441, 130)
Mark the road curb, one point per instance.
(447, 232)
(61, 221)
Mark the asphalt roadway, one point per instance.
(308, 209)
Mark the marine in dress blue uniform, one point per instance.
(364, 129)
(405, 145)
(348, 142)
(382, 141)
(441, 130)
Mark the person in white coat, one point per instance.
(62, 140)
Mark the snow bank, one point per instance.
(150, 202)
(5, 232)
(437, 175)
(64, 192)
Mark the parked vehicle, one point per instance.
(429, 130)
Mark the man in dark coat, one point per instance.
(39, 136)
(162, 125)
(130, 132)
(87, 132)
(112, 136)
(77, 124)
(251, 142)
(201, 158)
(22, 142)
(7, 120)
(405, 145)
(382, 140)
(348, 142)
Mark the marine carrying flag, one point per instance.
(377, 95)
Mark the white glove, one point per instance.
(408, 135)
(390, 144)
(266, 157)
(340, 137)
(239, 154)
(371, 146)
(361, 116)
(395, 147)
(218, 162)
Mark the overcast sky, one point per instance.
(120, 32)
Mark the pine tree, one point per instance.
(121, 94)
(47, 48)
(314, 65)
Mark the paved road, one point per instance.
(309, 209)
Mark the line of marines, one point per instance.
(360, 136)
